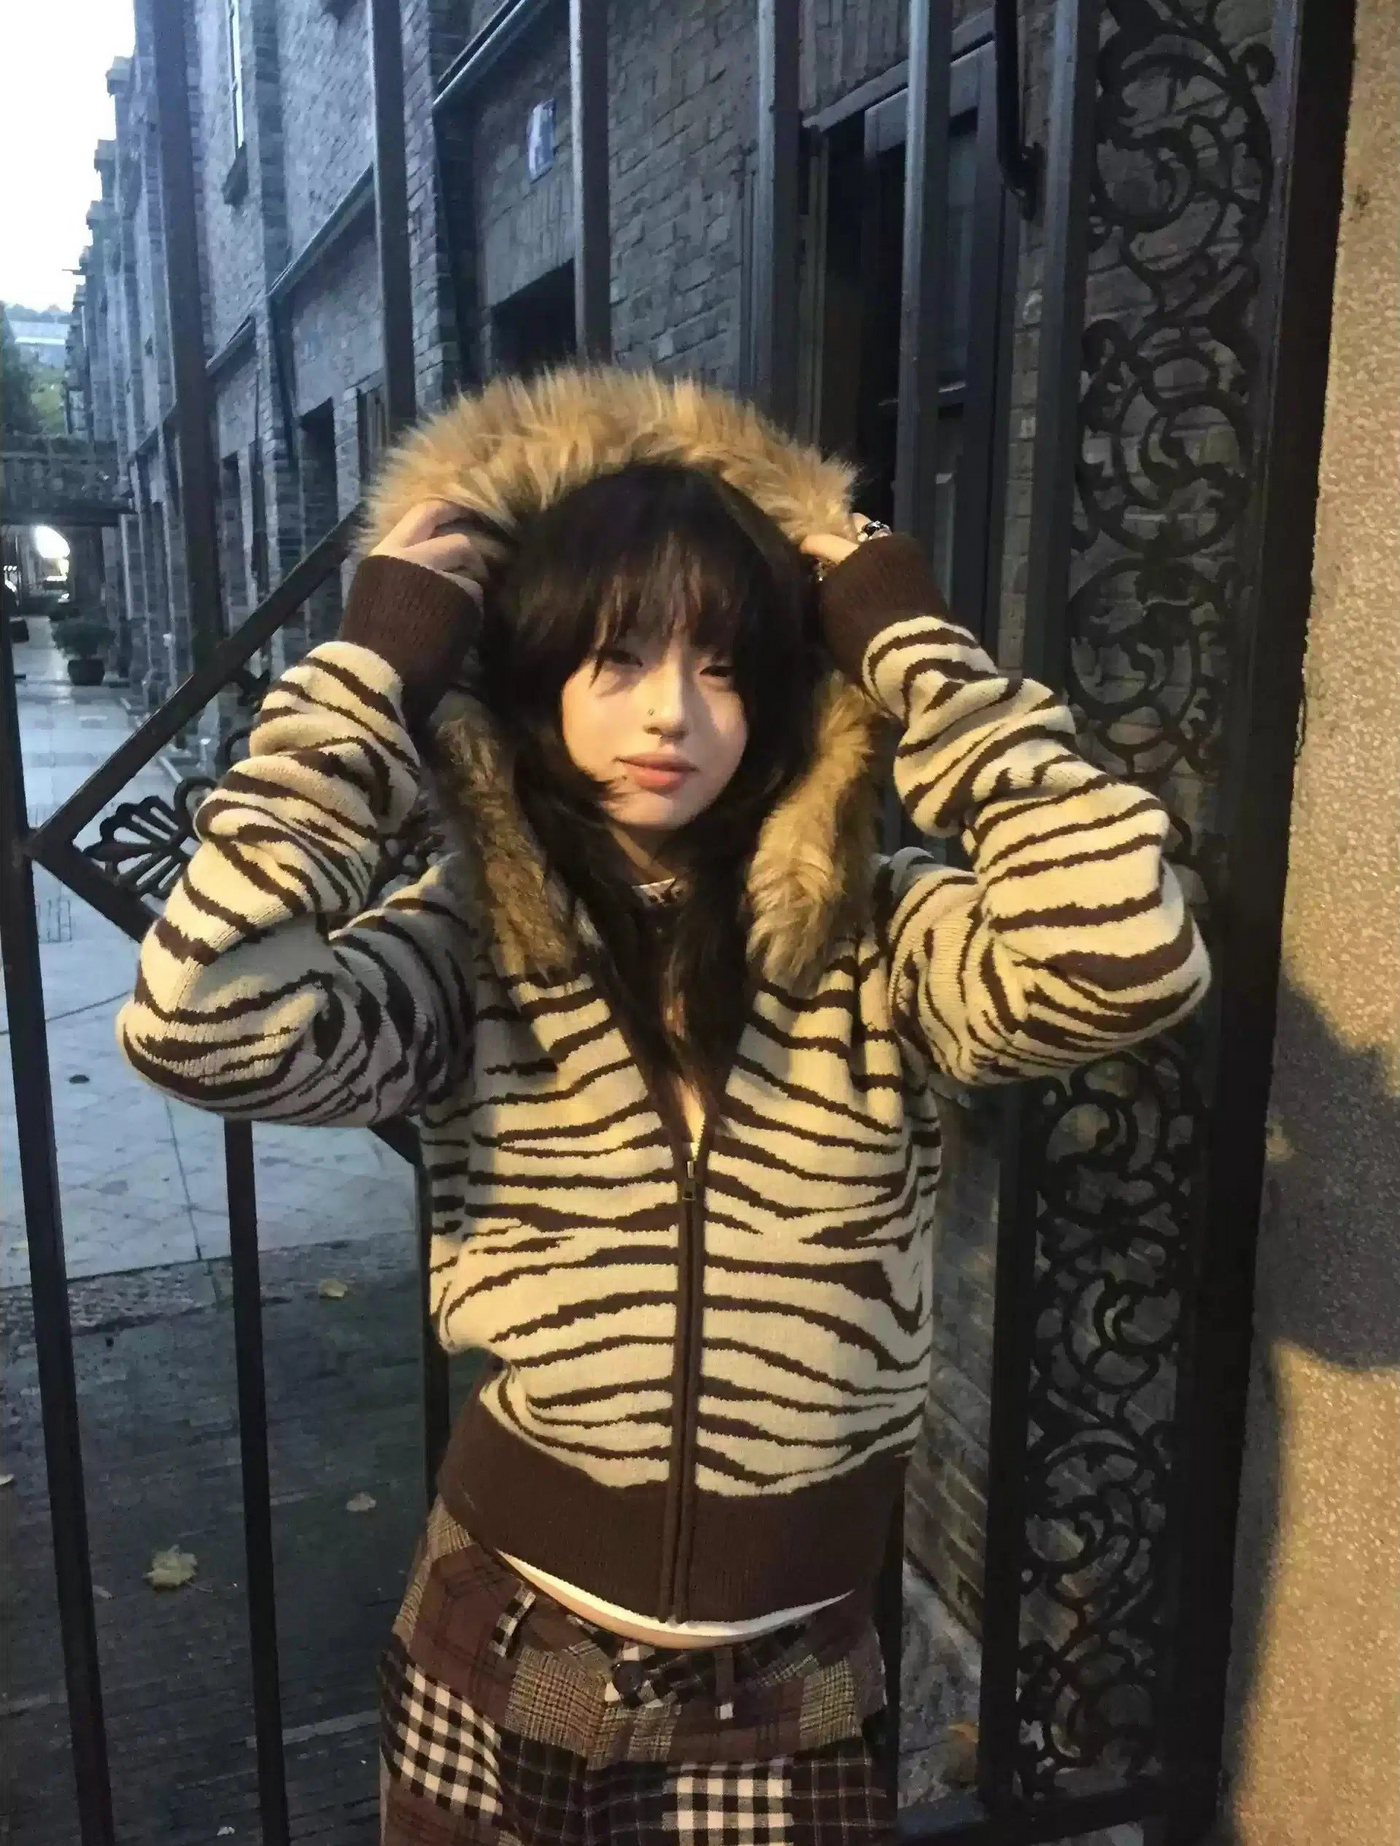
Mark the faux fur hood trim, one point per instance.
(513, 448)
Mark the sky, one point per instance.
(54, 109)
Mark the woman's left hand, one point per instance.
(827, 547)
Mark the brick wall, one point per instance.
(327, 111)
(229, 201)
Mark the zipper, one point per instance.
(690, 1268)
(690, 1275)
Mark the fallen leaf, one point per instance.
(7, 1480)
(960, 1756)
(98, 1590)
(332, 1289)
(362, 1503)
(223, 1833)
(169, 1569)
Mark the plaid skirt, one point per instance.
(506, 1720)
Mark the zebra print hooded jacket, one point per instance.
(711, 1362)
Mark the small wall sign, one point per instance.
(539, 139)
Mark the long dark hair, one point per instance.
(629, 554)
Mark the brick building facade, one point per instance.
(283, 126)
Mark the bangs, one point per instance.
(635, 554)
(675, 580)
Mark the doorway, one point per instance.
(855, 240)
(535, 326)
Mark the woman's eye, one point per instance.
(724, 668)
(608, 656)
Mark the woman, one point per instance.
(669, 1024)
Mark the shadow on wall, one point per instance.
(1319, 1479)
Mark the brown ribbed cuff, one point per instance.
(417, 620)
(879, 582)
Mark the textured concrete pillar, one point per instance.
(1316, 1663)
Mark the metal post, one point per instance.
(775, 220)
(1073, 62)
(432, 1358)
(185, 294)
(391, 214)
(588, 78)
(1069, 180)
(257, 1489)
(1020, 163)
(53, 1339)
(1313, 42)
(922, 289)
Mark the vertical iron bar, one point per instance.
(391, 214)
(889, 1625)
(588, 78)
(53, 1339)
(775, 225)
(432, 1358)
(1070, 164)
(922, 287)
(257, 1490)
(185, 290)
(972, 585)
(1070, 161)
(1313, 42)
(1019, 162)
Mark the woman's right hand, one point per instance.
(410, 617)
(435, 534)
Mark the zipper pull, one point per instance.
(688, 1182)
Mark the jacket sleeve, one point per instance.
(1070, 937)
(266, 991)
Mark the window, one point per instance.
(372, 420)
(258, 495)
(234, 560)
(535, 326)
(235, 74)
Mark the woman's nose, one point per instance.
(664, 692)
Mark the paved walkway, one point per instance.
(142, 1178)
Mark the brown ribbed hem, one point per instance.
(414, 618)
(881, 581)
(747, 1557)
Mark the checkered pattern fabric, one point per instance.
(505, 1718)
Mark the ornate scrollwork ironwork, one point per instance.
(145, 845)
(1169, 358)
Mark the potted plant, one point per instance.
(85, 641)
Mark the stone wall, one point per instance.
(1314, 1751)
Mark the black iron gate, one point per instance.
(1185, 265)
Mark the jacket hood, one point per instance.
(509, 450)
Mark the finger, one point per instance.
(827, 546)
(450, 551)
(470, 584)
(420, 522)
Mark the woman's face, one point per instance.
(667, 701)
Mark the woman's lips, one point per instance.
(658, 781)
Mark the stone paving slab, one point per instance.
(154, 1358)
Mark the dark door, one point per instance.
(860, 198)
(535, 326)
